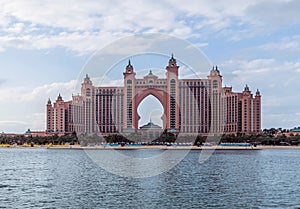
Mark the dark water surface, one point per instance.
(48, 178)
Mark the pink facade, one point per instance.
(243, 111)
(165, 90)
(191, 106)
(58, 116)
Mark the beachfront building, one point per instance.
(58, 116)
(190, 106)
(243, 111)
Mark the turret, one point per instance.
(247, 91)
(257, 94)
(215, 71)
(216, 78)
(172, 67)
(246, 88)
(87, 80)
(129, 70)
(49, 102)
(59, 98)
(129, 92)
(173, 91)
(87, 87)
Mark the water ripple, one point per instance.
(41, 178)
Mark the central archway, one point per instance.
(160, 95)
(150, 110)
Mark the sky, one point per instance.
(44, 45)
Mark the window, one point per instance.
(88, 92)
(215, 84)
(172, 103)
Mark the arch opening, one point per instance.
(150, 113)
(150, 109)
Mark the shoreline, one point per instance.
(163, 147)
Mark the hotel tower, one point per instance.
(200, 106)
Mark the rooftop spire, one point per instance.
(172, 58)
(129, 63)
(246, 88)
(87, 78)
(257, 91)
(59, 97)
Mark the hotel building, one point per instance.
(200, 106)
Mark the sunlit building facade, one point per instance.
(190, 106)
(59, 116)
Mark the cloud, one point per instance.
(275, 13)
(15, 28)
(262, 72)
(84, 26)
(2, 81)
(29, 94)
(187, 73)
(277, 82)
(285, 47)
(79, 42)
(11, 122)
(37, 121)
(105, 81)
(24, 107)
(80, 27)
(282, 120)
(8, 126)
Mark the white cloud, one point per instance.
(106, 81)
(9, 126)
(24, 107)
(281, 46)
(285, 47)
(2, 81)
(262, 71)
(282, 120)
(275, 13)
(86, 25)
(37, 121)
(277, 82)
(15, 28)
(107, 17)
(28, 94)
(9, 122)
(82, 43)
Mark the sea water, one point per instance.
(66, 178)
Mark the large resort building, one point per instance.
(191, 106)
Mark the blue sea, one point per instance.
(66, 178)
